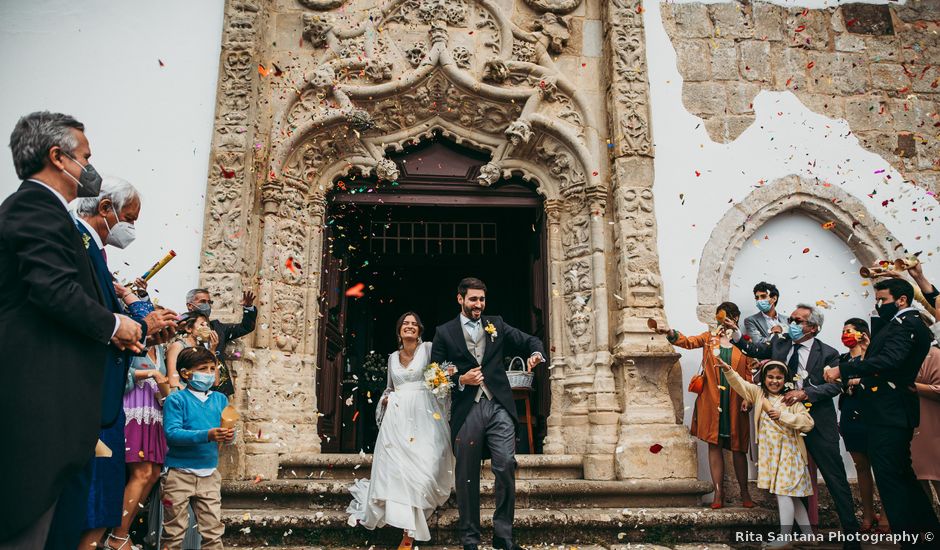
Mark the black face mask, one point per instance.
(887, 311)
(89, 181)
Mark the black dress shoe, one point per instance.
(505, 544)
(470, 547)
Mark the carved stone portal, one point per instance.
(368, 82)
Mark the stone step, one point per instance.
(550, 526)
(333, 494)
(353, 466)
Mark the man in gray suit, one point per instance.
(767, 322)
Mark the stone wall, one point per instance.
(876, 66)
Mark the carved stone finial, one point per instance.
(554, 6)
(321, 5)
(548, 88)
(322, 79)
(520, 131)
(438, 32)
(360, 120)
(316, 29)
(556, 29)
(378, 70)
(495, 70)
(387, 170)
(417, 53)
(489, 174)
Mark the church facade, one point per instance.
(319, 97)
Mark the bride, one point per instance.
(413, 465)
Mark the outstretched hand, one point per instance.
(248, 298)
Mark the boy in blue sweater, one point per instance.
(191, 420)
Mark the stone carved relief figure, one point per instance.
(554, 6)
(556, 29)
(489, 174)
(578, 277)
(289, 330)
(576, 233)
(580, 330)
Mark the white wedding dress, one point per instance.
(413, 464)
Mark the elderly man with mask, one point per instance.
(807, 358)
(56, 326)
(109, 219)
(199, 299)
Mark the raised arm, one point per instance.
(676, 338)
(747, 390)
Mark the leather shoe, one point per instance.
(470, 547)
(505, 544)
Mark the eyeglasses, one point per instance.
(795, 321)
(210, 302)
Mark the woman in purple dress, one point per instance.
(145, 447)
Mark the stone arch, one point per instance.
(867, 238)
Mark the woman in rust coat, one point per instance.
(720, 417)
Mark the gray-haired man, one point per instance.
(806, 358)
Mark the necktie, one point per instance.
(793, 365)
(473, 327)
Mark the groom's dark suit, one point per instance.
(481, 425)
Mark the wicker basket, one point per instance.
(519, 378)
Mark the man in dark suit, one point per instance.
(109, 219)
(891, 407)
(483, 414)
(56, 327)
(807, 358)
(199, 299)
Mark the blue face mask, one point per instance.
(763, 305)
(796, 331)
(202, 381)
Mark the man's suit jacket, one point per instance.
(230, 331)
(757, 327)
(891, 364)
(52, 349)
(450, 345)
(116, 362)
(818, 392)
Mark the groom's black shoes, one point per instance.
(505, 544)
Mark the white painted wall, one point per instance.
(786, 138)
(98, 61)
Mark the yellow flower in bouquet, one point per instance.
(436, 379)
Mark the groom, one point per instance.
(483, 414)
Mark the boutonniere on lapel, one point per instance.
(491, 330)
(86, 239)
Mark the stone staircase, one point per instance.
(306, 507)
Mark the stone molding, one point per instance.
(866, 237)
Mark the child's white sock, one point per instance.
(786, 511)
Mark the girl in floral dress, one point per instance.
(783, 468)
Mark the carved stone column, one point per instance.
(555, 437)
(604, 407)
(228, 250)
(643, 360)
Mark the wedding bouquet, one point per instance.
(436, 379)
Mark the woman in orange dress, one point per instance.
(720, 417)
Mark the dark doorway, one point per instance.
(405, 247)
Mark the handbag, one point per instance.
(697, 382)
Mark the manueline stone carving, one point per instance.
(321, 5)
(495, 70)
(316, 29)
(556, 29)
(554, 6)
(520, 131)
(489, 174)
(387, 170)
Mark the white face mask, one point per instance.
(122, 234)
